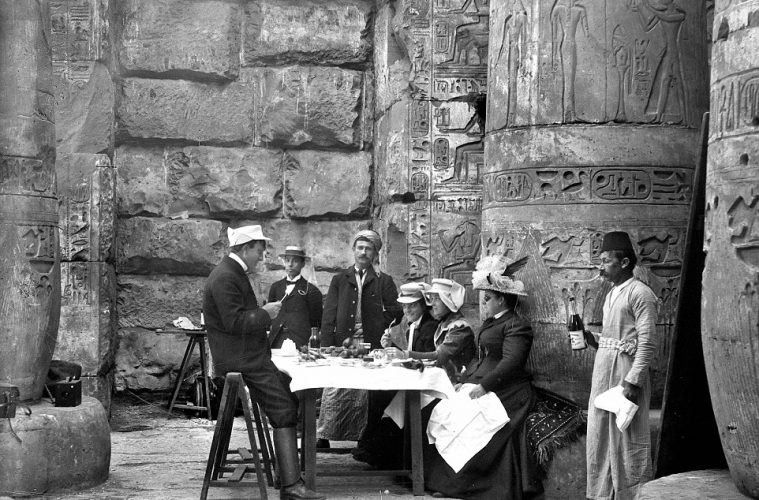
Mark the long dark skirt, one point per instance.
(505, 468)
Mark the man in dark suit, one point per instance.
(418, 326)
(361, 301)
(237, 336)
(301, 300)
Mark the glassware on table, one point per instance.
(379, 356)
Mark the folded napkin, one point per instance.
(615, 402)
(184, 323)
(460, 426)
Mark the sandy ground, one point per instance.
(159, 456)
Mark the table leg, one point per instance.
(182, 370)
(309, 437)
(206, 377)
(414, 411)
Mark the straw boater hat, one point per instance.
(412, 292)
(245, 234)
(451, 293)
(496, 272)
(294, 251)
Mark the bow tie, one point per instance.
(292, 281)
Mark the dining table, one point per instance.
(309, 376)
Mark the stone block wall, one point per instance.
(230, 112)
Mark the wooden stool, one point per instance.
(250, 460)
(196, 337)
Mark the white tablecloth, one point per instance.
(432, 381)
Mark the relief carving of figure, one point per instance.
(514, 37)
(565, 19)
(669, 74)
(470, 44)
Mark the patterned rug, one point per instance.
(553, 423)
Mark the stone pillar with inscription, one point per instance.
(84, 102)
(593, 113)
(730, 317)
(29, 256)
(429, 151)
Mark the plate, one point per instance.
(284, 354)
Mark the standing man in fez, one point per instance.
(619, 462)
(360, 299)
(301, 302)
(237, 336)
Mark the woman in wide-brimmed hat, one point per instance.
(505, 467)
(454, 338)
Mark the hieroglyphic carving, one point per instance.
(639, 184)
(76, 38)
(459, 61)
(514, 37)
(75, 284)
(744, 230)
(669, 16)
(26, 176)
(566, 18)
(40, 247)
(87, 211)
(735, 105)
(462, 247)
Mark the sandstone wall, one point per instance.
(231, 112)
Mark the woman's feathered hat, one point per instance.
(496, 272)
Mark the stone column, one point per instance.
(29, 257)
(730, 318)
(593, 110)
(431, 67)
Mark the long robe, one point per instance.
(620, 462)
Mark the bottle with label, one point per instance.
(313, 340)
(202, 320)
(576, 328)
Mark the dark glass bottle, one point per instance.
(576, 327)
(313, 340)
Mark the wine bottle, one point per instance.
(576, 327)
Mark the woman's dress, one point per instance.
(506, 467)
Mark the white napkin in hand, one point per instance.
(614, 401)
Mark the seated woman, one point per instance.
(453, 339)
(381, 443)
(505, 467)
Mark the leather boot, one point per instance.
(286, 450)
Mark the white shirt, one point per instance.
(290, 284)
(237, 258)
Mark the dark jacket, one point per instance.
(379, 307)
(503, 346)
(424, 336)
(453, 345)
(301, 310)
(236, 325)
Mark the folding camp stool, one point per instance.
(250, 460)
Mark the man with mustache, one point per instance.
(619, 462)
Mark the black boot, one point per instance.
(286, 450)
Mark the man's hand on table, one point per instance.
(272, 308)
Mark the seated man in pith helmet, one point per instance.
(236, 328)
(301, 300)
